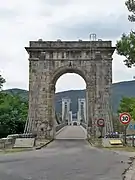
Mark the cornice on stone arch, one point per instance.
(63, 70)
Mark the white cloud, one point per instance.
(70, 81)
(22, 21)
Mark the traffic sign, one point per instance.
(132, 127)
(100, 122)
(125, 118)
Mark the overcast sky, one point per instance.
(25, 20)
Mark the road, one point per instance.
(72, 132)
(70, 159)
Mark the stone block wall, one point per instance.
(48, 60)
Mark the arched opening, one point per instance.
(70, 104)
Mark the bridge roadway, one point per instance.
(72, 132)
(64, 159)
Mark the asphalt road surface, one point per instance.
(64, 160)
(72, 132)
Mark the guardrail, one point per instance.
(60, 126)
(25, 135)
(6, 143)
(84, 125)
(88, 129)
(9, 141)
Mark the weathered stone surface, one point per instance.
(24, 142)
(48, 60)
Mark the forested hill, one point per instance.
(119, 90)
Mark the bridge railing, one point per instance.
(28, 126)
(83, 125)
(60, 126)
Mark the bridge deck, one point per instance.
(72, 132)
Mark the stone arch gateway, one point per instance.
(48, 60)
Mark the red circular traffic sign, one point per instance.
(125, 118)
(100, 122)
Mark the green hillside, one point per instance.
(119, 90)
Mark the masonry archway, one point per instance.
(75, 116)
(65, 69)
(48, 60)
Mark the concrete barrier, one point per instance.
(6, 143)
(112, 142)
(2, 143)
(24, 143)
(9, 141)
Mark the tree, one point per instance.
(131, 7)
(126, 45)
(127, 104)
(2, 80)
(118, 127)
(13, 114)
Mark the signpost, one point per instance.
(125, 119)
(101, 124)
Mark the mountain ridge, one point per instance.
(119, 90)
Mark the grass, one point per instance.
(95, 142)
(124, 148)
(42, 142)
(98, 144)
(15, 150)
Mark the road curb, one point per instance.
(9, 151)
(58, 132)
(89, 141)
(43, 145)
(129, 173)
(84, 130)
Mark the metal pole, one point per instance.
(101, 131)
(132, 140)
(125, 133)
